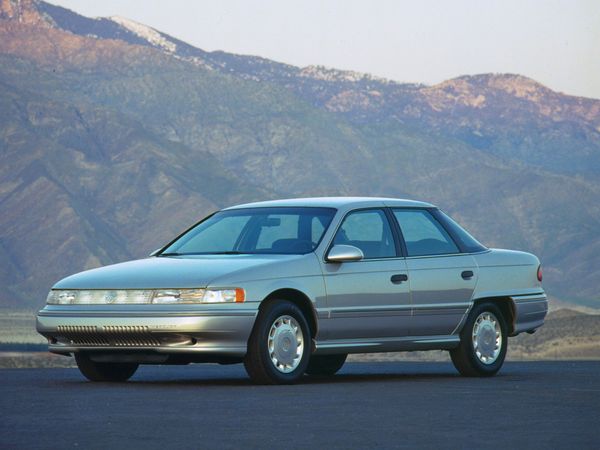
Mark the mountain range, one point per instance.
(114, 137)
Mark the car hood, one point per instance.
(168, 272)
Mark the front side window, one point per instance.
(278, 230)
(423, 234)
(368, 230)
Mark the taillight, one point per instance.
(539, 273)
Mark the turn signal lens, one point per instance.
(240, 295)
(224, 296)
(539, 273)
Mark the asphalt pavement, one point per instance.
(367, 405)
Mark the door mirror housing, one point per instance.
(344, 253)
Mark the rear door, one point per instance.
(442, 280)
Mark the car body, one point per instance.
(315, 280)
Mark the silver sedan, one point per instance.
(290, 287)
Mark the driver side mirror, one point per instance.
(344, 253)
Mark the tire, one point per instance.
(279, 346)
(95, 371)
(325, 365)
(483, 342)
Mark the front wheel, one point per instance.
(279, 347)
(483, 342)
(101, 371)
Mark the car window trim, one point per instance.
(398, 254)
(461, 250)
(401, 249)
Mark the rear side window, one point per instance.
(468, 243)
(368, 230)
(423, 234)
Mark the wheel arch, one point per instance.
(507, 307)
(301, 300)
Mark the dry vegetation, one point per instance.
(567, 334)
(19, 327)
(33, 360)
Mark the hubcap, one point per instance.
(487, 338)
(285, 344)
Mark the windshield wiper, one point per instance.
(229, 252)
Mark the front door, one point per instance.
(368, 298)
(441, 279)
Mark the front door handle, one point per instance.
(399, 278)
(467, 274)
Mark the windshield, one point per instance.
(255, 231)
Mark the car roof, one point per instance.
(337, 202)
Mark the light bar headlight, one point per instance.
(137, 296)
(170, 296)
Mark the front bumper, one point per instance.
(220, 331)
(529, 312)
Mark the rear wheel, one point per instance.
(483, 342)
(279, 347)
(101, 371)
(325, 364)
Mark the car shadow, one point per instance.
(235, 376)
(376, 377)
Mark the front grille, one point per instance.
(76, 329)
(107, 336)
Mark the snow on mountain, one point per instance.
(329, 74)
(145, 32)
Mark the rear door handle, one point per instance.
(467, 274)
(399, 278)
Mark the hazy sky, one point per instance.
(554, 42)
